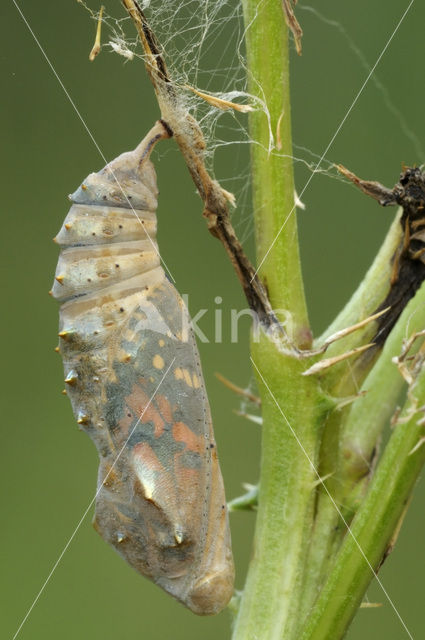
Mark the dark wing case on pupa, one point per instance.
(135, 382)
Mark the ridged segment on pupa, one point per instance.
(133, 375)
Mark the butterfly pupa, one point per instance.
(133, 376)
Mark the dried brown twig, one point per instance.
(189, 138)
(408, 261)
(293, 23)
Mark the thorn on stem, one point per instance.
(238, 390)
(318, 367)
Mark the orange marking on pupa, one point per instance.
(187, 477)
(168, 490)
(182, 433)
(144, 410)
(165, 408)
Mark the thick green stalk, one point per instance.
(370, 292)
(272, 171)
(342, 380)
(374, 525)
(292, 413)
(362, 431)
(292, 405)
(359, 436)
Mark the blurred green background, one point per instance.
(48, 467)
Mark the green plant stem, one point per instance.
(294, 408)
(272, 170)
(363, 428)
(369, 294)
(342, 380)
(359, 437)
(292, 405)
(373, 526)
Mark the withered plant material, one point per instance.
(293, 23)
(408, 261)
(191, 142)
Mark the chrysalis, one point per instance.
(134, 379)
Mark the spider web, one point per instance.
(203, 46)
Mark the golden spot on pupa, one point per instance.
(187, 378)
(161, 342)
(71, 378)
(158, 362)
(196, 382)
(65, 335)
(83, 418)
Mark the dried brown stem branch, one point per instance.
(190, 140)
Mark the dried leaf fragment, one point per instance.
(219, 103)
(97, 46)
(293, 23)
(375, 190)
(408, 260)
